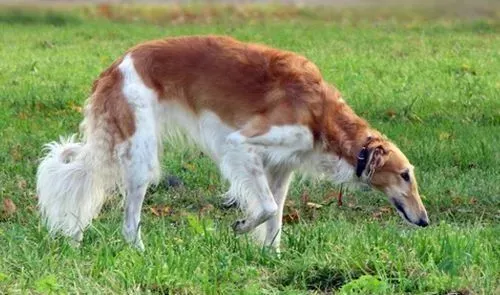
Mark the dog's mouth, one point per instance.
(423, 222)
(401, 210)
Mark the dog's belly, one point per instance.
(209, 133)
(205, 130)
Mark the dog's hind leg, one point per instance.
(140, 166)
(131, 223)
(138, 156)
(243, 167)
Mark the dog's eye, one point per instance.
(405, 176)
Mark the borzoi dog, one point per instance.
(260, 113)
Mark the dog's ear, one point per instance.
(378, 158)
(370, 159)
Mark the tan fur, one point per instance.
(240, 82)
(107, 102)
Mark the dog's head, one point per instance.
(382, 165)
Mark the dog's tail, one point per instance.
(73, 181)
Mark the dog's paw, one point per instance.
(75, 244)
(241, 226)
(139, 245)
(133, 238)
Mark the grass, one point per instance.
(432, 85)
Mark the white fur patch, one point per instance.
(141, 150)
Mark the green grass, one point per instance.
(432, 86)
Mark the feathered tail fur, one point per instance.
(73, 181)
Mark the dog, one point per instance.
(260, 114)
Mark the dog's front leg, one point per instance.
(279, 180)
(243, 167)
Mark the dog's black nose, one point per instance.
(423, 222)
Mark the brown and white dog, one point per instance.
(260, 113)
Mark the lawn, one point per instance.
(431, 85)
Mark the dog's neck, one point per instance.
(342, 131)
